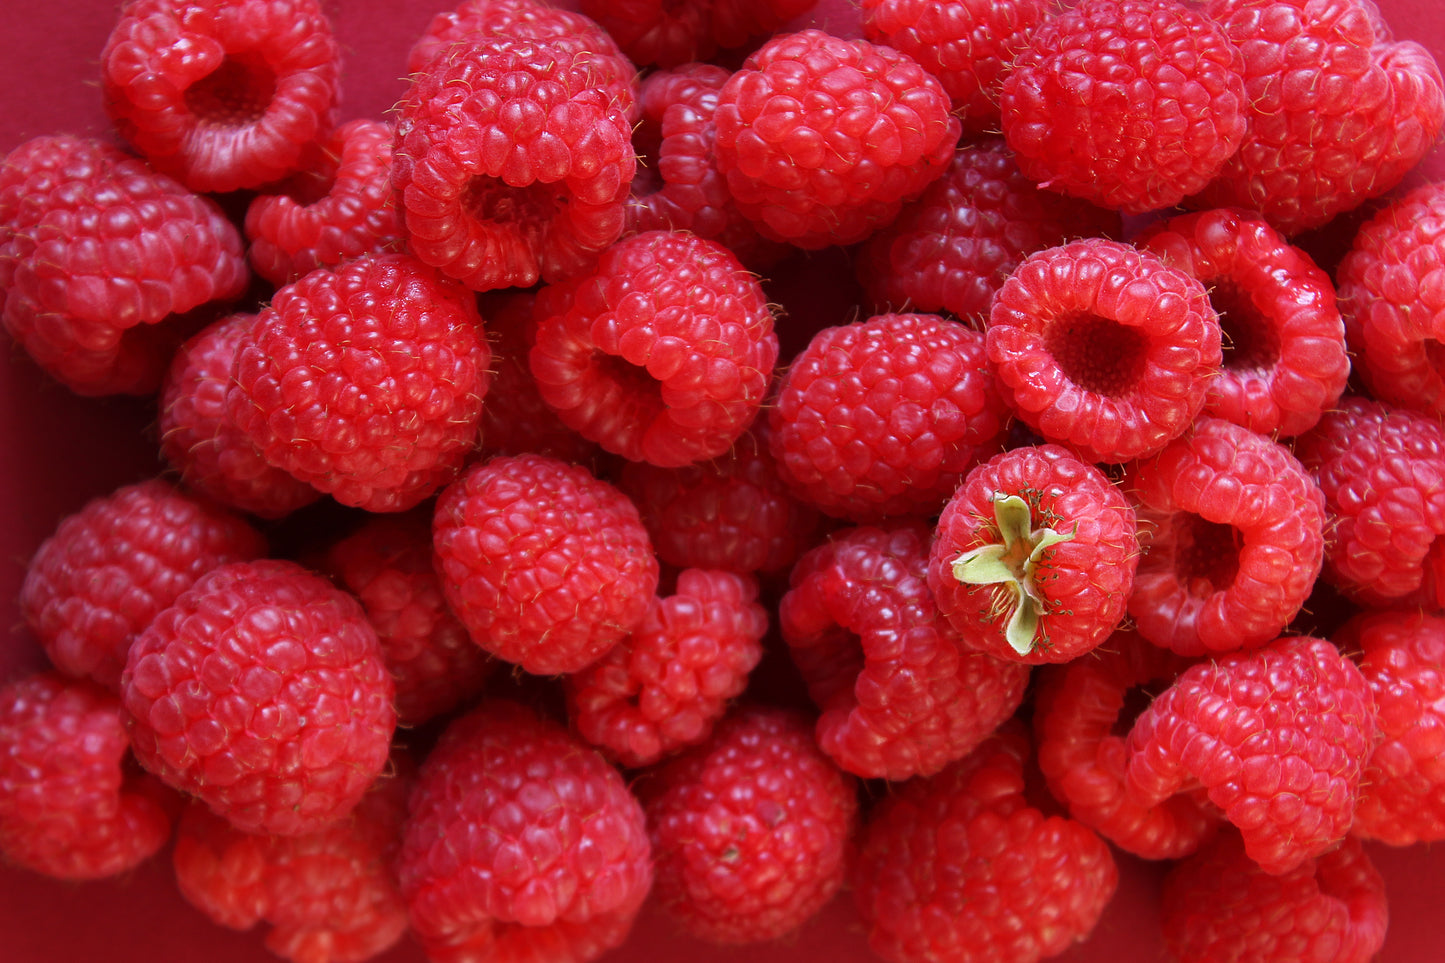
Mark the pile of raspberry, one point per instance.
(533, 553)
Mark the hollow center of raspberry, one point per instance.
(493, 201)
(1098, 354)
(235, 94)
(1250, 341)
(1206, 554)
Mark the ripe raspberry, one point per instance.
(960, 867)
(1278, 737)
(68, 808)
(340, 209)
(221, 94)
(513, 161)
(952, 248)
(101, 258)
(900, 693)
(520, 844)
(750, 830)
(1337, 111)
(365, 381)
(262, 691)
(662, 353)
(1034, 556)
(666, 685)
(1104, 348)
(199, 439)
(1220, 906)
(884, 417)
(1232, 527)
(110, 568)
(1131, 104)
(822, 139)
(672, 32)
(1283, 338)
(545, 565)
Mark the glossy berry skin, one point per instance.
(68, 806)
(221, 95)
(1278, 737)
(545, 565)
(520, 843)
(262, 691)
(365, 381)
(750, 830)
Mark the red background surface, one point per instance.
(57, 451)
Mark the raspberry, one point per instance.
(822, 139)
(1277, 736)
(520, 844)
(67, 807)
(750, 830)
(1283, 338)
(1130, 104)
(900, 693)
(365, 381)
(959, 866)
(513, 161)
(545, 565)
(884, 417)
(1103, 348)
(1338, 113)
(664, 686)
(668, 33)
(110, 568)
(1034, 556)
(101, 258)
(221, 94)
(262, 691)
(1233, 532)
(661, 354)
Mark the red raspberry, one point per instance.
(110, 568)
(1282, 335)
(662, 353)
(1033, 556)
(1337, 111)
(960, 867)
(262, 691)
(822, 139)
(1104, 348)
(365, 381)
(1220, 906)
(1131, 104)
(520, 844)
(545, 565)
(672, 32)
(900, 692)
(666, 685)
(1233, 532)
(750, 830)
(884, 417)
(513, 161)
(68, 808)
(952, 248)
(99, 258)
(221, 94)
(340, 209)
(1277, 736)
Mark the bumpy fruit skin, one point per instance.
(960, 867)
(365, 381)
(97, 582)
(751, 830)
(1278, 736)
(221, 94)
(901, 693)
(263, 692)
(547, 566)
(520, 843)
(67, 807)
(822, 139)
